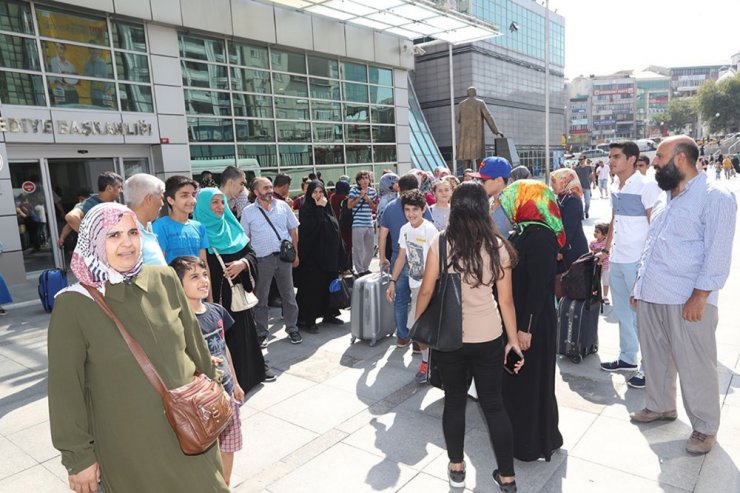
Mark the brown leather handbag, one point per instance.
(198, 412)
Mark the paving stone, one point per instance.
(35, 441)
(372, 381)
(319, 408)
(22, 410)
(344, 469)
(35, 478)
(269, 394)
(14, 460)
(425, 483)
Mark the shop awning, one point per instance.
(412, 19)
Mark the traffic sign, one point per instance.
(28, 186)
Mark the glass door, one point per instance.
(72, 181)
(33, 214)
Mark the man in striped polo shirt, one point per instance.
(362, 200)
(633, 197)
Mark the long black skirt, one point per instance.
(313, 293)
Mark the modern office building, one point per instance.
(685, 81)
(653, 95)
(181, 86)
(508, 72)
(578, 133)
(613, 108)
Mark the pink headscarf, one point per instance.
(89, 260)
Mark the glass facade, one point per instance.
(424, 151)
(529, 38)
(269, 109)
(59, 58)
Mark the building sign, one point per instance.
(606, 92)
(28, 186)
(73, 127)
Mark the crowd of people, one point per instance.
(171, 280)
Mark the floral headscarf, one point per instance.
(424, 178)
(568, 180)
(532, 202)
(89, 259)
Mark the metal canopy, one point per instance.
(412, 19)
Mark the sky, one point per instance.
(605, 36)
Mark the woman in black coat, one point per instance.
(529, 396)
(227, 237)
(567, 187)
(321, 251)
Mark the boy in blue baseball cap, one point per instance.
(494, 174)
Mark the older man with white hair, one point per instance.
(145, 196)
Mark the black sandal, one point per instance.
(505, 487)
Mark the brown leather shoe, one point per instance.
(648, 416)
(699, 443)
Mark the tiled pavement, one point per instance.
(349, 418)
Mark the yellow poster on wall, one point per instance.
(65, 63)
(72, 27)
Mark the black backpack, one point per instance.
(346, 216)
(582, 281)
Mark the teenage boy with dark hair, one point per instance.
(390, 230)
(414, 240)
(633, 198)
(178, 235)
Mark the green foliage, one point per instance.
(680, 113)
(719, 104)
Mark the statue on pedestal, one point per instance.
(470, 115)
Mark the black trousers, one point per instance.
(484, 361)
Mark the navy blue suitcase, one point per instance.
(578, 322)
(51, 281)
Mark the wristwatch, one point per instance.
(605, 250)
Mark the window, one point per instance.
(24, 89)
(130, 67)
(16, 17)
(18, 53)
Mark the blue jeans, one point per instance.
(586, 199)
(621, 281)
(401, 303)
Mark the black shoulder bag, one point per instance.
(440, 325)
(287, 250)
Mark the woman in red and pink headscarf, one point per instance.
(106, 419)
(567, 187)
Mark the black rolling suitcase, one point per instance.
(578, 322)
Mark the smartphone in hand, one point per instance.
(511, 361)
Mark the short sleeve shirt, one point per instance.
(178, 239)
(362, 212)
(630, 205)
(89, 203)
(584, 175)
(393, 219)
(604, 172)
(214, 323)
(261, 236)
(416, 242)
(150, 249)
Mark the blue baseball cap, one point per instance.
(492, 168)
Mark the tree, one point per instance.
(719, 104)
(679, 114)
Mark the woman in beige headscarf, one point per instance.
(567, 187)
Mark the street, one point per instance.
(350, 418)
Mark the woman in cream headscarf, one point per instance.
(567, 187)
(529, 397)
(106, 419)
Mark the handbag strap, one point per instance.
(144, 362)
(280, 238)
(442, 253)
(223, 266)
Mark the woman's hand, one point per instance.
(525, 340)
(322, 201)
(235, 268)
(85, 481)
(514, 347)
(559, 257)
(238, 392)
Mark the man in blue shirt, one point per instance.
(258, 220)
(685, 263)
(109, 190)
(145, 196)
(390, 227)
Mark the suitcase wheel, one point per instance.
(352, 340)
(575, 357)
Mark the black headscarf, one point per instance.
(318, 233)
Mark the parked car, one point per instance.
(595, 154)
